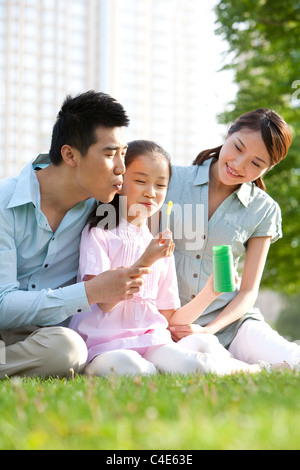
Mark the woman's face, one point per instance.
(243, 158)
(145, 186)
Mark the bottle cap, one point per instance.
(221, 249)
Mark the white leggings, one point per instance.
(257, 341)
(194, 353)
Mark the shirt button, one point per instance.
(46, 265)
(79, 310)
(193, 296)
(198, 257)
(203, 236)
(195, 275)
(33, 286)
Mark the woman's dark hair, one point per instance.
(135, 149)
(274, 130)
(79, 117)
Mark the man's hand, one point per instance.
(115, 285)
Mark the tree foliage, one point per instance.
(264, 51)
(288, 321)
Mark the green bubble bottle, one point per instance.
(223, 269)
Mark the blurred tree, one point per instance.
(288, 321)
(264, 52)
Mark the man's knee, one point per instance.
(49, 351)
(64, 350)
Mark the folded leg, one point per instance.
(120, 362)
(175, 358)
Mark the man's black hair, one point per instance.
(79, 117)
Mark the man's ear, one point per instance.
(68, 155)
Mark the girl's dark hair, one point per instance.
(79, 117)
(274, 130)
(135, 149)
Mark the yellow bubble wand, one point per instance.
(170, 204)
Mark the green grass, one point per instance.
(162, 412)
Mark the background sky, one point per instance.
(217, 86)
(45, 46)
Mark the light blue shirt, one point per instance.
(248, 212)
(38, 268)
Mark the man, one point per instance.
(42, 214)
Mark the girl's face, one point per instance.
(145, 186)
(243, 158)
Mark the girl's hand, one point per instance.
(209, 286)
(180, 331)
(160, 247)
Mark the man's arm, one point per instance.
(47, 306)
(50, 307)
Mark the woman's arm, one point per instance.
(256, 255)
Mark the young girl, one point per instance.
(227, 181)
(132, 336)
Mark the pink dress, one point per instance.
(133, 324)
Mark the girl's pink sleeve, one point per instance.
(168, 295)
(94, 250)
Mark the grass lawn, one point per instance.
(162, 412)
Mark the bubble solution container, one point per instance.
(223, 269)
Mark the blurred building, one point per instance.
(154, 56)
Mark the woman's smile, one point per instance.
(231, 172)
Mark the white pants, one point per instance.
(194, 353)
(257, 341)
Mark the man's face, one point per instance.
(99, 172)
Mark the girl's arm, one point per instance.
(256, 255)
(158, 248)
(189, 312)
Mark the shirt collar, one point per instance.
(27, 188)
(202, 174)
(244, 192)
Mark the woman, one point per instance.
(224, 189)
